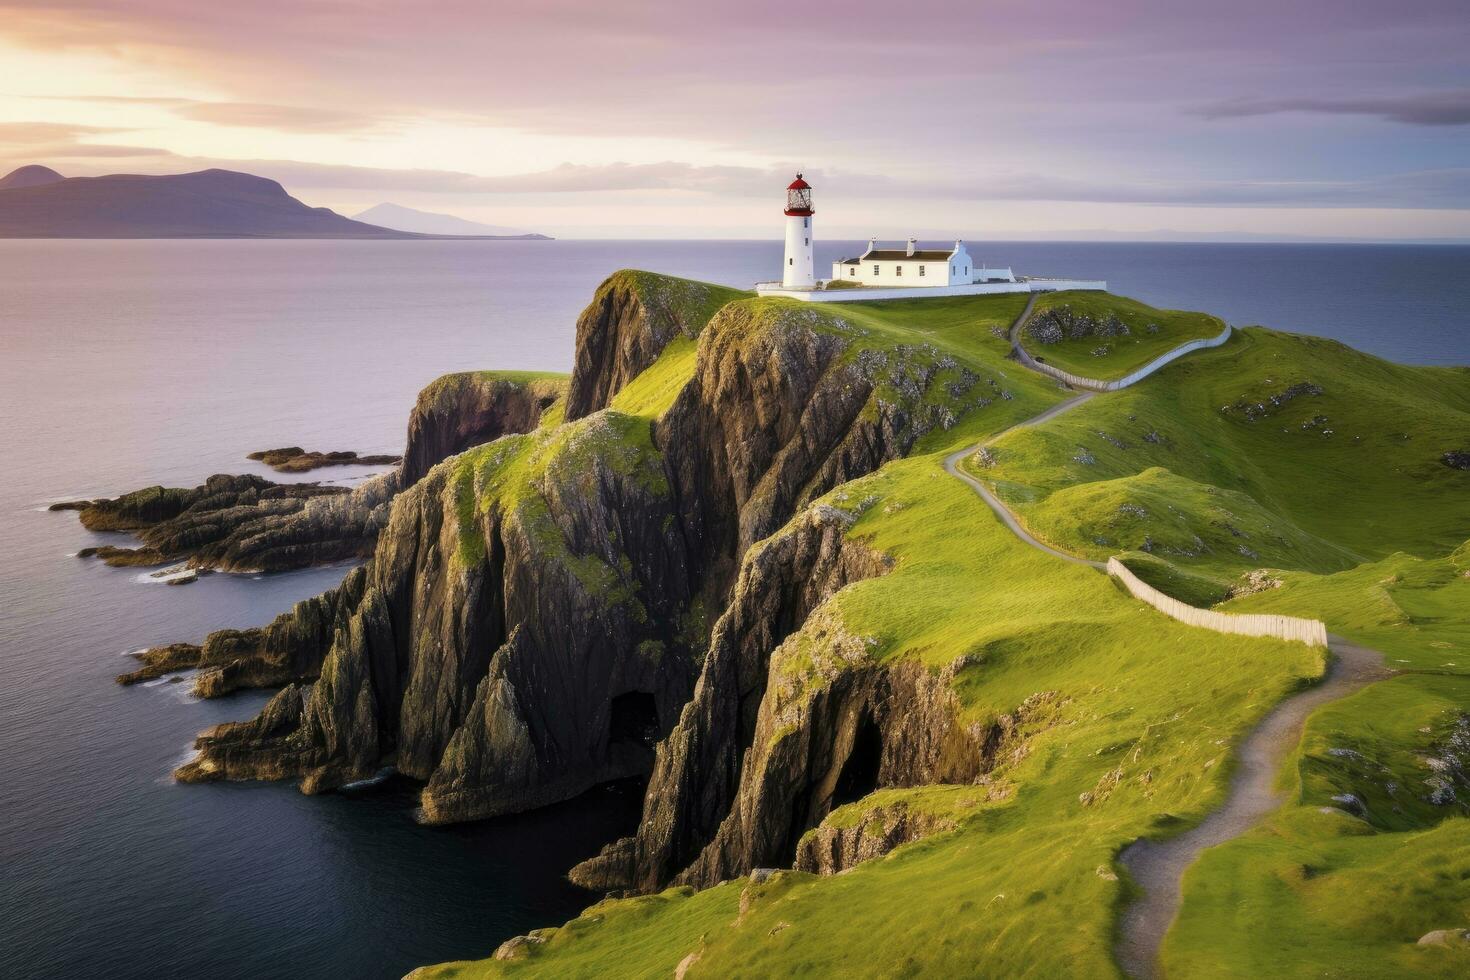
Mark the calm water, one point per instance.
(124, 364)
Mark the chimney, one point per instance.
(912, 243)
(872, 244)
(958, 244)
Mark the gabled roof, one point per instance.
(920, 255)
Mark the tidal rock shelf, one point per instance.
(294, 459)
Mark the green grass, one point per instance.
(1416, 610)
(638, 937)
(687, 303)
(652, 392)
(511, 478)
(1367, 480)
(1328, 894)
(1124, 353)
(1141, 711)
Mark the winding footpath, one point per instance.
(1158, 866)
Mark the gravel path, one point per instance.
(1158, 866)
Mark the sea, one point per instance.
(125, 364)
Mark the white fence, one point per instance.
(1093, 384)
(1309, 631)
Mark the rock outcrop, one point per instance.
(829, 849)
(248, 524)
(698, 770)
(462, 410)
(784, 405)
(515, 641)
(294, 459)
(631, 319)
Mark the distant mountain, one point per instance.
(32, 176)
(429, 223)
(37, 202)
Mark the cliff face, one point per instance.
(528, 627)
(785, 404)
(629, 322)
(462, 410)
(697, 773)
(515, 641)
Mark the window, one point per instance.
(921, 271)
(806, 241)
(967, 270)
(898, 270)
(852, 271)
(951, 270)
(806, 222)
(875, 270)
(790, 261)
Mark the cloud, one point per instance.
(1436, 189)
(1450, 108)
(257, 115)
(1440, 189)
(46, 132)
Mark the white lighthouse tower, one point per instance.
(799, 272)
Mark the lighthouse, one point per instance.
(799, 272)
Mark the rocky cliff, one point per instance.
(462, 410)
(516, 640)
(529, 624)
(631, 319)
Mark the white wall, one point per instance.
(1312, 632)
(907, 292)
(798, 270)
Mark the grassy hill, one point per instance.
(1120, 720)
(1102, 336)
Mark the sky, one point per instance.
(977, 119)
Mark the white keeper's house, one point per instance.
(909, 272)
(902, 266)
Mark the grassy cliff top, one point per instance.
(1105, 336)
(447, 386)
(688, 303)
(515, 475)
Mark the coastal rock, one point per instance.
(1455, 938)
(158, 661)
(147, 508)
(508, 657)
(1457, 459)
(468, 409)
(294, 459)
(125, 557)
(828, 850)
(291, 648)
(249, 524)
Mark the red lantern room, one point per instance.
(799, 198)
